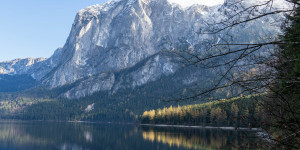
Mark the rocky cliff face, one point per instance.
(118, 35)
(125, 43)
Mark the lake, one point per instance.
(19, 135)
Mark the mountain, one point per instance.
(124, 44)
(19, 66)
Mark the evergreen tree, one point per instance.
(282, 109)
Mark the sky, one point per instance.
(36, 28)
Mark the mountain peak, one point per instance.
(188, 3)
(95, 10)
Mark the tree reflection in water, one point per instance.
(201, 138)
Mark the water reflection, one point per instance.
(13, 134)
(88, 136)
(78, 136)
(201, 138)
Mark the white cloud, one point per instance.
(186, 3)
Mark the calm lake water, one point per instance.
(16, 135)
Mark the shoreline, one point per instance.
(139, 124)
(201, 127)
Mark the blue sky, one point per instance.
(35, 28)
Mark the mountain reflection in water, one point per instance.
(93, 136)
